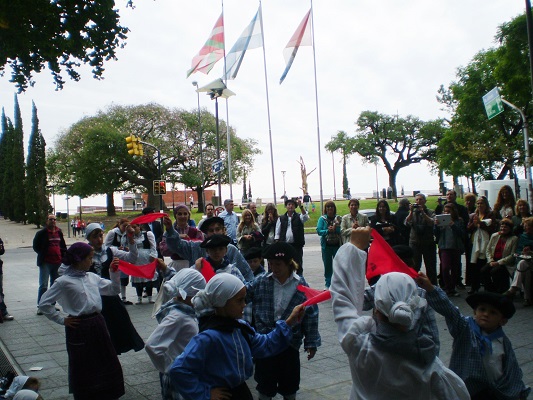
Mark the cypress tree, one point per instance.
(3, 157)
(17, 162)
(37, 203)
(7, 148)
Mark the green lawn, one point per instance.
(342, 209)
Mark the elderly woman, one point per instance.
(500, 259)
(329, 230)
(481, 226)
(352, 220)
(524, 269)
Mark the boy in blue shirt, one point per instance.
(482, 354)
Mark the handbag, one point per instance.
(333, 239)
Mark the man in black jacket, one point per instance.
(50, 246)
(290, 229)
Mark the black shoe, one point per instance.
(472, 291)
(127, 303)
(461, 286)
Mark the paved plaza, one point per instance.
(34, 341)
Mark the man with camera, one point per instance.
(421, 240)
(290, 229)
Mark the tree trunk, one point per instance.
(344, 178)
(392, 183)
(442, 185)
(200, 196)
(110, 202)
(473, 182)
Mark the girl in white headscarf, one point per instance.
(217, 362)
(177, 325)
(388, 359)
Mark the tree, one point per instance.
(17, 167)
(5, 157)
(474, 145)
(397, 142)
(59, 34)
(92, 153)
(345, 145)
(37, 203)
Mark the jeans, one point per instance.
(46, 272)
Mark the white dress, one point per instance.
(378, 374)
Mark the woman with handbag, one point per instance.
(329, 230)
(248, 232)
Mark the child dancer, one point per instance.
(255, 260)
(273, 297)
(177, 325)
(482, 354)
(217, 362)
(388, 359)
(94, 369)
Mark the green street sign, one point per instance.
(493, 103)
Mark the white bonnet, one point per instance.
(185, 283)
(217, 292)
(26, 394)
(17, 384)
(396, 297)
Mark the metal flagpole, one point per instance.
(317, 117)
(268, 104)
(228, 133)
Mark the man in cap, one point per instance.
(290, 229)
(191, 251)
(50, 246)
(231, 220)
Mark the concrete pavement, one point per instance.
(34, 341)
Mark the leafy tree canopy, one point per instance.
(58, 34)
(474, 145)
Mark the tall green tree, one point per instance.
(397, 142)
(344, 144)
(18, 165)
(474, 145)
(60, 35)
(37, 203)
(92, 154)
(8, 181)
(4, 157)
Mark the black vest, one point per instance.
(297, 229)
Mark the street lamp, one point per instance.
(201, 145)
(284, 191)
(217, 89)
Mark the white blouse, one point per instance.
(78, 295)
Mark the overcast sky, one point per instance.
(388, 56)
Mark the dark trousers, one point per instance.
(278, 374)
(474, 273)
(299, 258)
(495, 279)
(450, 259)
(428, 252)
(139, 288)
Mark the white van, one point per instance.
(490, 189)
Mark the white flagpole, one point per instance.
(228, 134)
(268, 103)
(317, 118)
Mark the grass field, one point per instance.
(342, 209)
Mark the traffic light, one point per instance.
(134, 147)
(160, 187)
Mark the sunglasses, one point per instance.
(51, 219)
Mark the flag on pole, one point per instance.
(302, 37)
(212, 51)
(251, 38)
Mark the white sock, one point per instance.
(123, 292)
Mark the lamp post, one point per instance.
(201, 145)
(217, 89)
(334, 183)
(284, 192)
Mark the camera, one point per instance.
(442, 199)
(415, 206)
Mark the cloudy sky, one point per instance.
(388, 56)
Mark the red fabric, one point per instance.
(314, 296)
(146, 219)
(498, 251)
(207, 270)
(382, 259)
(140, 271)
